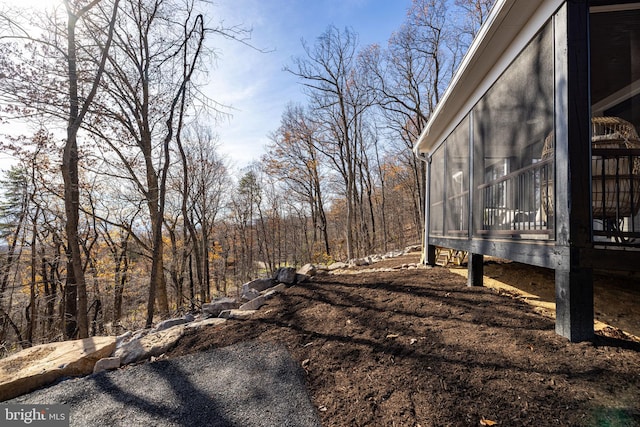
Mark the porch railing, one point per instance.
(520, 204)
(516, 204)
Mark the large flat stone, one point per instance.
(255, 303)
(308, 270)
(237, 314)
(37, 366)
(286, 275)
(276, 289)
(260, 284)
(213, 321)
(169, 323)
(106, 364)
(152, 344)
(249, 293)
(215, 307)
(337, 266)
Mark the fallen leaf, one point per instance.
(393, 336)
(486, 422)
(413, 341)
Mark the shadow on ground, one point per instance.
(418, 347)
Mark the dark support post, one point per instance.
(574, 304)
(475, 269)
(430, 250)
(431, 255)
(574, 274)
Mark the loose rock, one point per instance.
(249, 293)
(337, 266)
(215, 307)
(260, 284)
(237, 314)
(40, 365)
(358, 262)
(106, 364)
(308, 270)
(255, 303)
(302, 278)
(166, 324)
(152, 344)
(286, 275)
(213, 321)
(278, 288)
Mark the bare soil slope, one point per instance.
(419, 348)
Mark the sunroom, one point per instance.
(533, 153)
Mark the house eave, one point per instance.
(510, 25)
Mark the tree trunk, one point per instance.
(97, 325)
(31, 311)
(50, 291)
(72, 188)
(121, 262)
(157, 284)
(70, 323)
(119, 283)
(206, 277)
(192, 291)
(16, 330)
(70, 162)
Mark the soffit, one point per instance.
(509, 27)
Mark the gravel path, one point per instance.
(247, 384)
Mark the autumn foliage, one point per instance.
(148, 219)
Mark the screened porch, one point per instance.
(493, 176)
(533, 153)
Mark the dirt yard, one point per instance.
(419, 348)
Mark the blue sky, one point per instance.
(254, 84)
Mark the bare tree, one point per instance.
(408, 79)
(117, 241)
(205, 180)
(60, 44)
(329, 74)
(78, 108)
(293, 156)
(244, 207)
(13, 218)
(32, 228)
(158, 49)
(476, 13)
